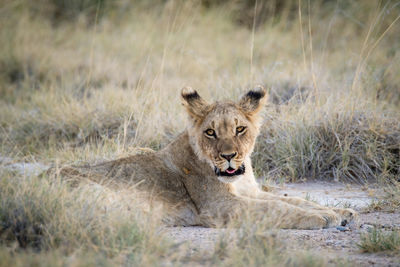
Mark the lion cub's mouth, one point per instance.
(230, 171)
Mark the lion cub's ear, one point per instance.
(252, 102)
(194, 104)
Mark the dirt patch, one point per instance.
(23, 168)
(332, 194)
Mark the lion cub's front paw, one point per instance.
(332, 218)
(347, 215)
(319, 220)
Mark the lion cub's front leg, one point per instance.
(346, 215)
(278, 213)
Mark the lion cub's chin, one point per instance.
(229, 179)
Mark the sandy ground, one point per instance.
(332, 243)
(31, 168)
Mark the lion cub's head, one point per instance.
(223, 133)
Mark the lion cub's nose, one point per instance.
(228, 157)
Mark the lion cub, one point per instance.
(205, 176)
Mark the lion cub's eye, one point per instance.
(210, 132)
(240, 130)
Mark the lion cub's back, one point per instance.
(146, 171)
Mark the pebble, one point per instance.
(366, 226)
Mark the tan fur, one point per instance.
(182, 175)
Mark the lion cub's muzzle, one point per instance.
(230, 171)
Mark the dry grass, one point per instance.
(255, 244)
(43, 214)
(330, 142)
(86, 86)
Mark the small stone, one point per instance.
(366, 226)
(342, 229)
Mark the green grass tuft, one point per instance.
(377, 241)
